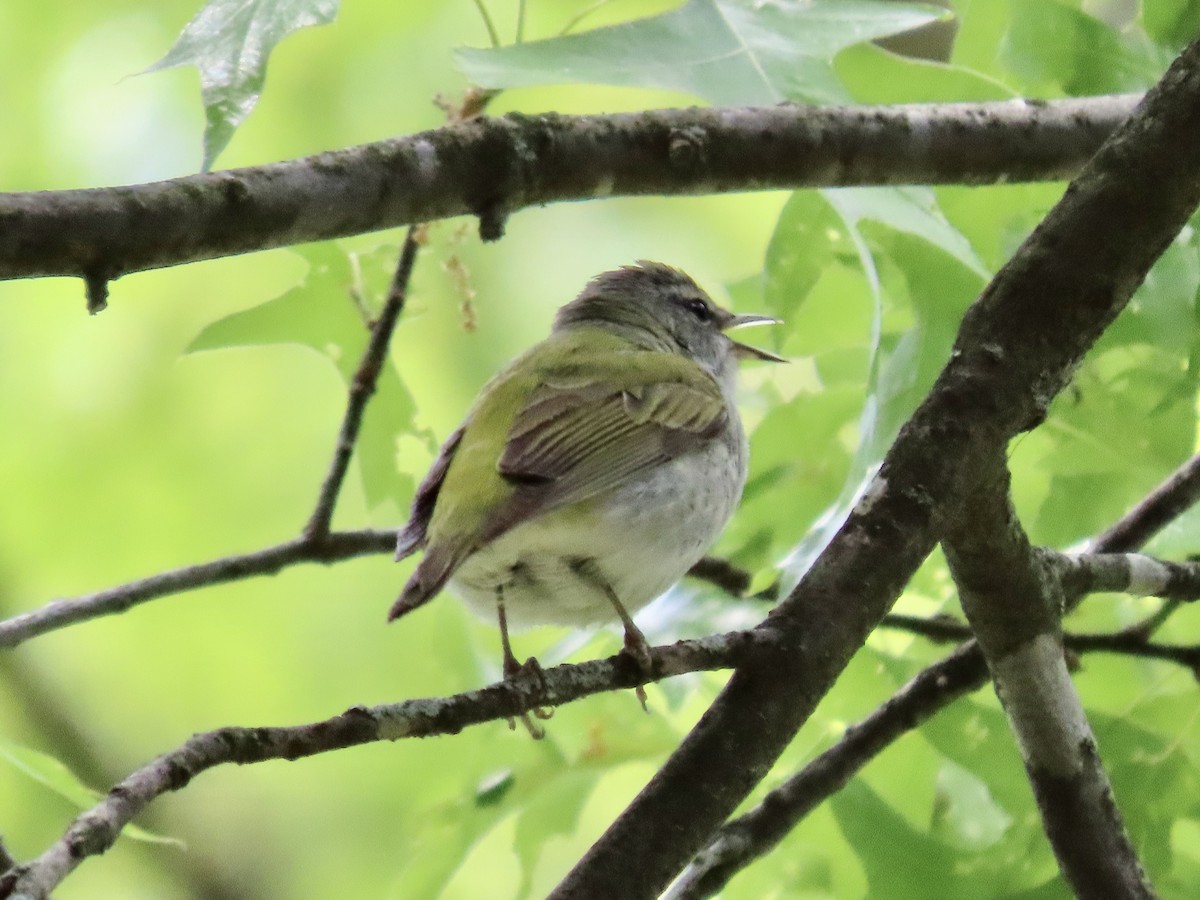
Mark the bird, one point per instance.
(595, 469)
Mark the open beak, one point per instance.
(745, 351)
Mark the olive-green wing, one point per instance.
(411, 537)
(578, 437)
(421, 587)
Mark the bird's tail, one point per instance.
(429, 578)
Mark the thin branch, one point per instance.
(1127, 644)
(1148, 627)
(721, 573)
(943, 629)
(316, 544)
(491, 167)
(1127, 573)
(95, 830)
(363, 387)
(755, 833)
(1159, 508)
(61, 613)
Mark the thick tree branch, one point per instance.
(1013, 597)
(95, 830)
(1018, 345)
(493, 167)
(742, 840)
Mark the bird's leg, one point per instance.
(512, 668)
(636, 647)
(513, 671)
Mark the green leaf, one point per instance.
(51, 773)
(911, 210)
(323, 314)
(554, 812)
(229, 41)
(1172, 23)
(1162, 312)
(808, 472)
(542, 784)
(1051, 44)
(977, 738)
(873, 75)
(729, 52)
(965, 813)
(1113, 435)
(899, 860)
(930, 270)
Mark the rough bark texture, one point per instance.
(493, 167)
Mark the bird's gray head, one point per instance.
(662, 308)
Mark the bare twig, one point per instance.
(316, 544)
(1148, 627)
(60, 613)
(722, 574)
(94, 831)
(362, 387)
(1158, 509)
(1127, 644)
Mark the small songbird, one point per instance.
(593, 471)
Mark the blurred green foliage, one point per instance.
(124, 454)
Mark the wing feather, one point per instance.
(575, 439)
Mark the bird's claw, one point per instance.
(515, 673)
(638, 650)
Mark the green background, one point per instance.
(122, 454)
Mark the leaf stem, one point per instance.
(493, 35)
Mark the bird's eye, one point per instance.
(699, 309)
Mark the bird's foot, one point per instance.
(637, 648)
(519, 674)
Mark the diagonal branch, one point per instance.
(1158, 509)
(491, 167)
(743, 840)
(95, 830)
(363, 387)
(1017, 347)
(333, 547)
